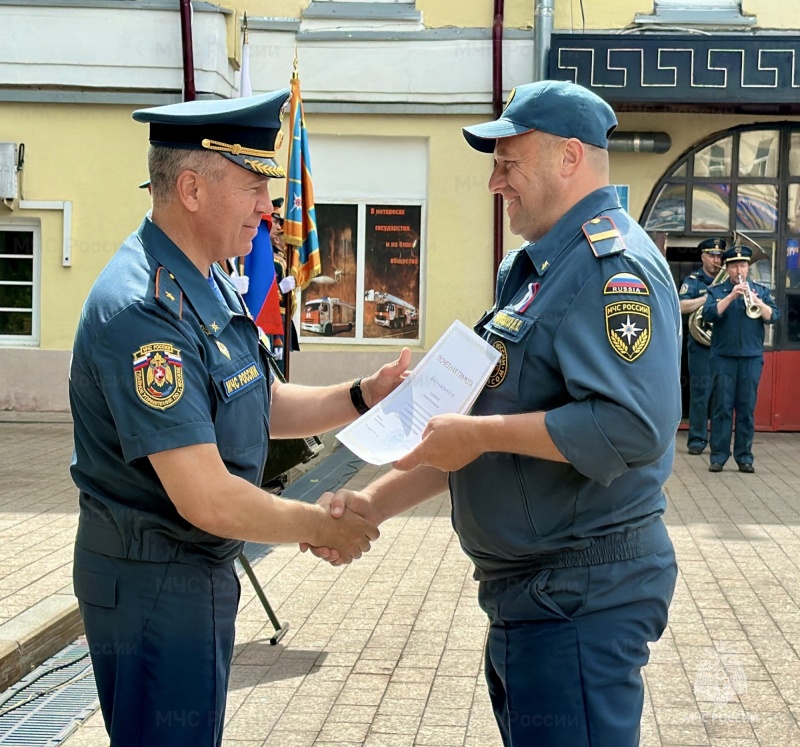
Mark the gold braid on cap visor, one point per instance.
(236, 149)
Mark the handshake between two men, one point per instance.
(448, 443)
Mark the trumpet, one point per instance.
(752, 309)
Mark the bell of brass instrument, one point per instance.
(699, 328)
(752, 309)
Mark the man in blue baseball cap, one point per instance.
(557, 473)
(739, 309)
(693, 295)
(173, 401)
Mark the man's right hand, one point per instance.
(342, 504)
(347, 533)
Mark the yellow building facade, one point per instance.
(387, 87)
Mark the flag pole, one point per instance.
(287, 335)
(244, 90)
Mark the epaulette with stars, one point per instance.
(168, 293)
(603, 236)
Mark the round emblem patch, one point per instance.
(501, 369)
(158, 374)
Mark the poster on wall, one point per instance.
(392, 271)
(328, 304)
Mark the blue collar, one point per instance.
(213, 314)
(548, 249)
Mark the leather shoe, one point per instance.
(715, 467)
(748, 468)
(695, 450)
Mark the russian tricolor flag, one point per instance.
(262, 295)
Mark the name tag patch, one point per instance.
(241, 380)
(509, 325)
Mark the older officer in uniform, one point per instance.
(738, 309)
(172, 400)
(693, 295)
(557, 474)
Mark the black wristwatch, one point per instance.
(357, 397)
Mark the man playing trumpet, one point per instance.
(738, 309)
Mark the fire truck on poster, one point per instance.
(392, 311)
(328, 316)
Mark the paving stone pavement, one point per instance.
(387, 652)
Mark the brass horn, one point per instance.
(752, 309)
(699, 328)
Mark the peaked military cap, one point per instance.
(554, 106)
(712, 246)
(145, 184)
(737, 254)
(245, 131)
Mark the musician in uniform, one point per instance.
(693, 295)
(738, 309)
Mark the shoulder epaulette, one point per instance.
(168, 293)
(603, 236)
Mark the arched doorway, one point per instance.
(744, 180)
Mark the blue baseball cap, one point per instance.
(246, 131)
(554, 106)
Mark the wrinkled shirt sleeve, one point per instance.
(625, 413)
(144, 426)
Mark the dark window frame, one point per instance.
(780, 236)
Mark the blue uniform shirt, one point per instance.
(589, 332)
(160, 362)
(736, 334)
(695, 285)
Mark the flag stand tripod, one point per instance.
(280, 630)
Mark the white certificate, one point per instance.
(448, 379)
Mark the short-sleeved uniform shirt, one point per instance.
(588, 327)
(161, 361)
(695, 285)
(735, 334)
